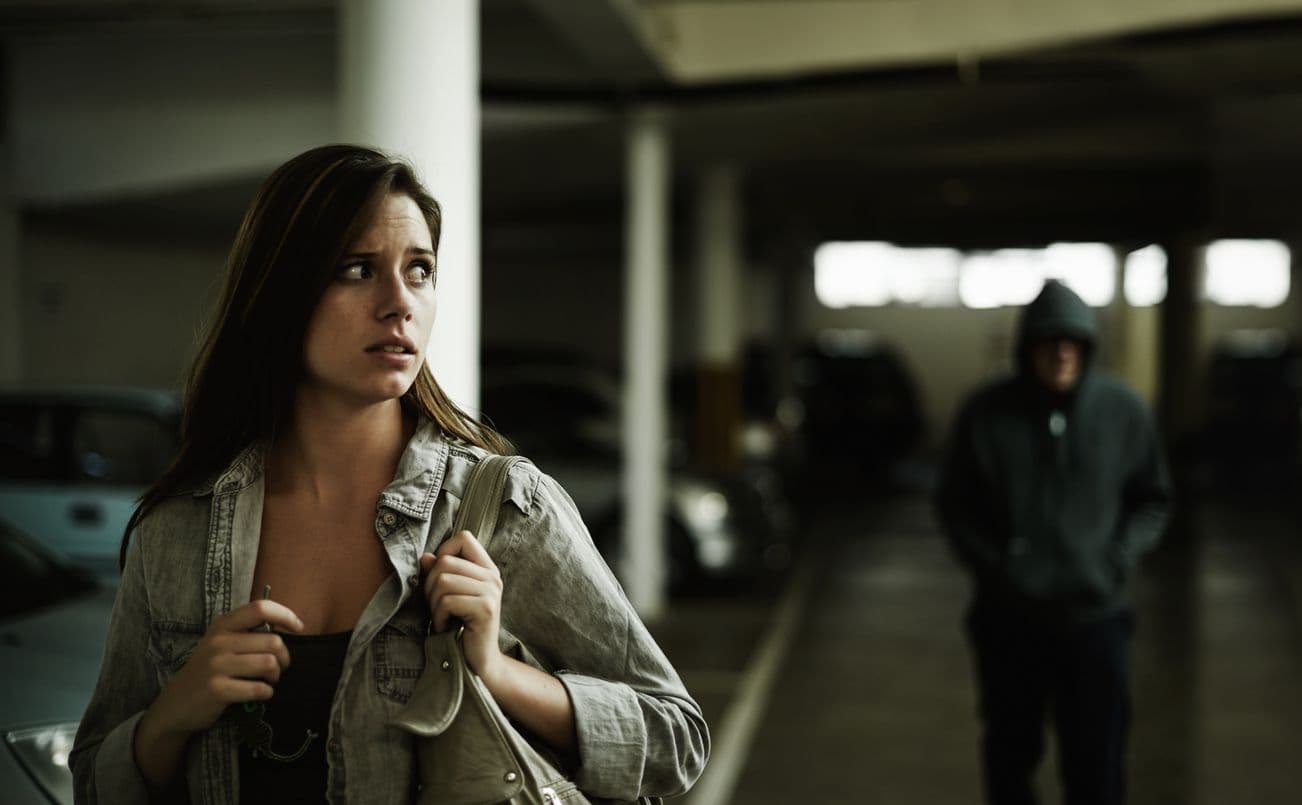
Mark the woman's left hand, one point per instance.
(461, 581)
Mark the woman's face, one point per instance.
(366, 339)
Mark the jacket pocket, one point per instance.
(399, 656)
(171, 644)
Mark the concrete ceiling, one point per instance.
(1124, 137)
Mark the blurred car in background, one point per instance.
(564, 414)
(768, 451)
(1253, 430)
(860, 408)
(53, 622)
(74, 461)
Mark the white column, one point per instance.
(1121, 356)
(645, 357)
(718, 305)
(409, 84)
(718, 265)
(11, 328)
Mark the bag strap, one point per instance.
(482, 499)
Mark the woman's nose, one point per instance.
(395, 299)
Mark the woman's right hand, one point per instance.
(232, 663)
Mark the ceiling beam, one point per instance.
(606, 34)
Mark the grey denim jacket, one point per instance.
(191, 559)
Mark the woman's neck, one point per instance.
(331, 450)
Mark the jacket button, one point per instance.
(389, 518)
(333, 744)
(445, 665)
(413, 580)
(510, 777)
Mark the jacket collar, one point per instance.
(245, 469)
(419, 476)
(415, 485)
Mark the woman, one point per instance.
(279, 580)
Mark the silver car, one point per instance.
(53, 619)
(74, 461)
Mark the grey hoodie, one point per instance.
(1050, 499)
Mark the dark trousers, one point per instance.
(1028, 670)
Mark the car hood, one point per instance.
(51, 660)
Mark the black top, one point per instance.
(283, 740)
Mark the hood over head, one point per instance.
(1057, 311)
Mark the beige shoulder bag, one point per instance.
(468, 752)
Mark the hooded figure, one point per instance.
(1052, 487)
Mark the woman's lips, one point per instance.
(397, 359)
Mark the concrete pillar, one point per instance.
(719, 255)
(409, 84)
(1180, 393)
(11, 328)
(1295, 286)
(646, 243)
(1118, 323)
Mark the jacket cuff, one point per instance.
(612, 740)
(117, 777)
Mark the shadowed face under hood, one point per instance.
(1057, 311)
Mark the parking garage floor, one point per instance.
(849, 680)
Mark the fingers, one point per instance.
(455, 575)
(256, 613)
(254, 643)
(451, 576)
(265, 667)
(439, 588)
(231, 690)
(461, 581)
(472, 609)
(458, 566)
(464, 544)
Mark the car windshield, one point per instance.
(43, 443)
(32, 578)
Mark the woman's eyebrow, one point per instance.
(420, 250)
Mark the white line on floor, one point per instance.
(736, 729)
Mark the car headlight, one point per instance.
(43, 751)
(707, 510)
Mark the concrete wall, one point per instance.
(95, 312)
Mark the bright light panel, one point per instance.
(1012, 277)
(874, 273)
(1248, 273)
(1089, 269)
(1146, 276)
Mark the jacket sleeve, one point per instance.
(640, 734)
(1146, 503)
(103, 754)
(965, 502)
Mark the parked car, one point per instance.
(1253, 432)
(53, 622)
(565, 416)
(860, 406)
(74, 461)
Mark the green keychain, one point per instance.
(252, 725)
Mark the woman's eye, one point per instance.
(420, 273)
(356, 271)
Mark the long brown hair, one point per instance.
(242, 383)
